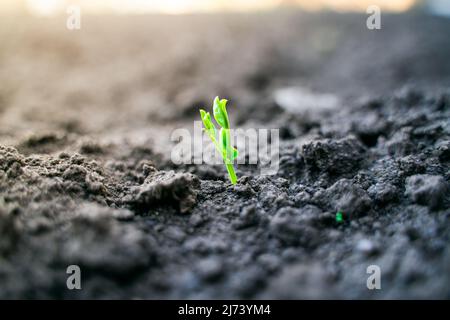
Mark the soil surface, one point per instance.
(86, 176)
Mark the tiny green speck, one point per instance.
(339, 217)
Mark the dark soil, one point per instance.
(86, 176)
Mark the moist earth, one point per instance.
(98, 189)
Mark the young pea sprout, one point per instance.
(223, 145)
(339, 217)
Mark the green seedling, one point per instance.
(223, 144)
(339, 217)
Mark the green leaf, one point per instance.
(202, 114)
(228, 153)
(225, 144)
(224, 138)
(209, 126)
(220, 112)
(235, 154)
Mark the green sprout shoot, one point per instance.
(223, 145)
(339, 217)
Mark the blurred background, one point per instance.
(49, 7)
(104, 100)
(137, 68)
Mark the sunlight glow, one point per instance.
(52, 7)
(44, 7)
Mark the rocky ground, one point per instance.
(86, 176)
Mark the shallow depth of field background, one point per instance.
(86, 118)
(137, 67)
